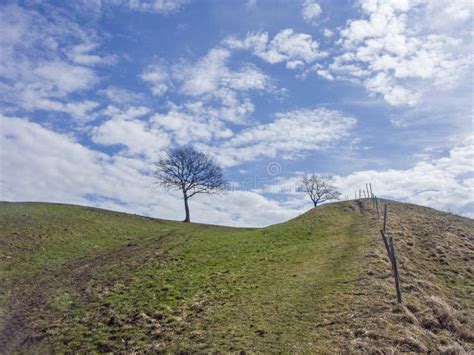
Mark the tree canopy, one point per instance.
(319, 188)
(190, 171)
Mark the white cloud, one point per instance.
(446, 115)
(158, 76)
(393, 93)
(62, 78)
(153, 6)
(162, 7)
(80, 54)
(38, 164)
(41, 165)
(125, 128)
(328, 33)
(295, 49)
(194, 122)
(243, 208)
(131, 112)
(401, 50)
(217, 94)
(290, 135)
(310, 11)
(34, 68)
(121, 96)
(211, 73)
(80, 110)
(206, 77)
(445, 183)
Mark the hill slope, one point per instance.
(83, 279)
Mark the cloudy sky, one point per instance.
(93, 91)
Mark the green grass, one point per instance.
(161, 285)
(79, 279)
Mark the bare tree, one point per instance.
(191, 172)
(319, 188)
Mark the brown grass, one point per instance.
(434, 250)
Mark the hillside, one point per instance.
(82, 279)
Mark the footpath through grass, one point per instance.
(81, 279)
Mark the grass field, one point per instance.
(78, 279)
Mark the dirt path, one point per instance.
(18, 330)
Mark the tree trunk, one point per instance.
(315, 203)
(186, 208)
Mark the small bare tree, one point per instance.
(319, 188)
(190, 171)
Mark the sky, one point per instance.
(92, 92)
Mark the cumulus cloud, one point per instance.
(393, 93)
(294, 49)
(125, 128)
(210, 73)
(46, 60)
(158, 76)
(62, 78)
(400, 50)
(328, 33)
(194, 122)
(310, 11)
(80, 110)
(208, 76)
(122, 96)
(290, 135)
(216, 95)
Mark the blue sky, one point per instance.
(93, 91)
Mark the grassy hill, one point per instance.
(79, 279)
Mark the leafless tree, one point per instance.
(319, 188)
(190, 171)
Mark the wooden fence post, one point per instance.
(396, 275)
(372, 196)
(387, 246)
(377, 206)
(392, 254)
